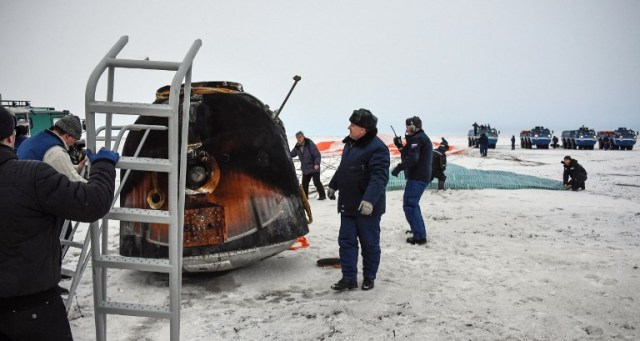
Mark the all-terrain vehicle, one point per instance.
(582, 138)
(474, 135)
(539, 136)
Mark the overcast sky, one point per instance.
(512, 64)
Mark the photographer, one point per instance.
(52, 146)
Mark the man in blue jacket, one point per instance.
(35, 200)
(417, 157)
(361, 180)
(309, 156)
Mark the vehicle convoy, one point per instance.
(36, 119)
(621, 138)
(539, 136)
(243, 201)
(474, 135)
(582, 138)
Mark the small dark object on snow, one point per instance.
(329, 262)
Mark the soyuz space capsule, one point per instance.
(242, 201)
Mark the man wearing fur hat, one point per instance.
(361, 180)
(416, 155)
(52, 146)
(35, 200)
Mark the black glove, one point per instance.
(103, 154)
(396, 170)
(398, 142)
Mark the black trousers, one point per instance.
(40, 316)
(316, 182)
(576, 184)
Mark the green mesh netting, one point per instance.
(459, 177)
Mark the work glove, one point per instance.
(331, 193)
(365, 208)
(396, 170)
(398, 142)
(103, 154)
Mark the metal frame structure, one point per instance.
(173, 217)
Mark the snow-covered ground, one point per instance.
(501, 264)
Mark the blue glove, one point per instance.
(103, 154)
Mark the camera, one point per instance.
(77, 152)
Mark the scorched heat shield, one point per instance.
(242, 203)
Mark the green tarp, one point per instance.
(459, 177)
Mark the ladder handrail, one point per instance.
(176, 174)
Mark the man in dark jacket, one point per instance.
(309, 156)
(575, 171)
(439, 164)
(417, 158)
(35, 200)
(483, 142)
(361, 179)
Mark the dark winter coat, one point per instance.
(575, 171)
(35, 200)
(438, 165)
(417, 155)
(309, 156)
(483, 140)
(363, 174)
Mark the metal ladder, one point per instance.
(173, 217)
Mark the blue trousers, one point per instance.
(367, 230)
(411, 204)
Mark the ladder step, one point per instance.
(68, 272)
(71, 243)
(143, 64)
(144, 164)
(139, 215)
(131, 309)
(143, 109)
(133, 263)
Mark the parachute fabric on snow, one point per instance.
(459, 177)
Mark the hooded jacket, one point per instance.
(363, 174)
(35, 201)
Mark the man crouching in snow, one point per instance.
(361, 179)
(573, 170)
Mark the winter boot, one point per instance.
(440, 185)
(344, 285)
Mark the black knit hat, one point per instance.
(364, 118)
(7, 123)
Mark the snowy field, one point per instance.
(500, 265)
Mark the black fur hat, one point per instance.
(364, 118)
(7, 123)
(415, 121)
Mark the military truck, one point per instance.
(582, 138)
(539, 136)
(36, 119)
(474, 135)
(621, 138)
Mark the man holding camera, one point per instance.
(52, 146)
(416, 156)
(35, 200)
